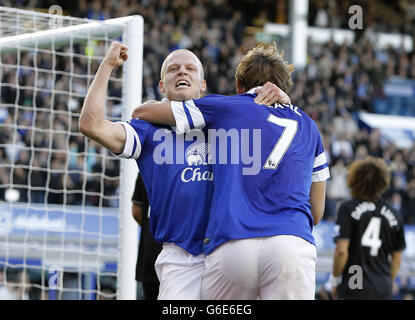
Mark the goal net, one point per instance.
(66, 228)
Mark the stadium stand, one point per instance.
(339, 81)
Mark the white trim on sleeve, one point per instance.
(321, 175)
(182, 124)
(132, 147)
(320, 160)
(197, 117)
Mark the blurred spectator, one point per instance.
(337, 189)
(338, 81)
(7, 290)
(410, 205)
(23, 285)
(322, 17)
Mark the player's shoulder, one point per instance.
(308, 126)
(217, 98)
(142, 124)
(298, 109)
(387, 210)
(349, 205)
(222, 102)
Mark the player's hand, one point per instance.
(116, 55)
(134, 114)
(270, 94)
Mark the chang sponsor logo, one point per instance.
(197, 155)
(190, 175)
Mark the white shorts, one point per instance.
(268, 268)
(180, 273)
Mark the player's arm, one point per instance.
(341, 252)
(270, 94)
(340, 257)
(183, 115)
(166, 113)
(397, 249)
(395, 263)
(92, 122)
(317, 200)
(156, 112)
(318, 187)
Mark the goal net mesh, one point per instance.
(59, 192)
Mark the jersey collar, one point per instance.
(252, 91)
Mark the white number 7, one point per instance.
(283, 143)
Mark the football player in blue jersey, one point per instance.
(270, 193)
(174, 168)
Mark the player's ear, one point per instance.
(203, 86)
(161, 87)
(239, 88)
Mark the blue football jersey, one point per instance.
(264, 162)
(178, 181)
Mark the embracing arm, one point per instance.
(161, 112)
(92, 122)
(156, 112)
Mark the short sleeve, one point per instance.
(400, 243)
(136, 131)
(195, 114)
(320, 167)
(342, 227)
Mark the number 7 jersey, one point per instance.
(264, 162)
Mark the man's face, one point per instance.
(181, 77)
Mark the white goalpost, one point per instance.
(66, 226)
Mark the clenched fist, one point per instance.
(116, 55)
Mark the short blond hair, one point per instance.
(264, 63)
(198, 63)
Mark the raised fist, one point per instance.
(116, 55)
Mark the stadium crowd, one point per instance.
(339, 80)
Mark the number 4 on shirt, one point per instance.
(371, 236)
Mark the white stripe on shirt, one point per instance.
(197, 117)
(182, 124)
(252, 91)
(320, 160)
(130, 136)
(321, 175)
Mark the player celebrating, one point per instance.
(259, 238)
(370, 233)
(179, 191)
